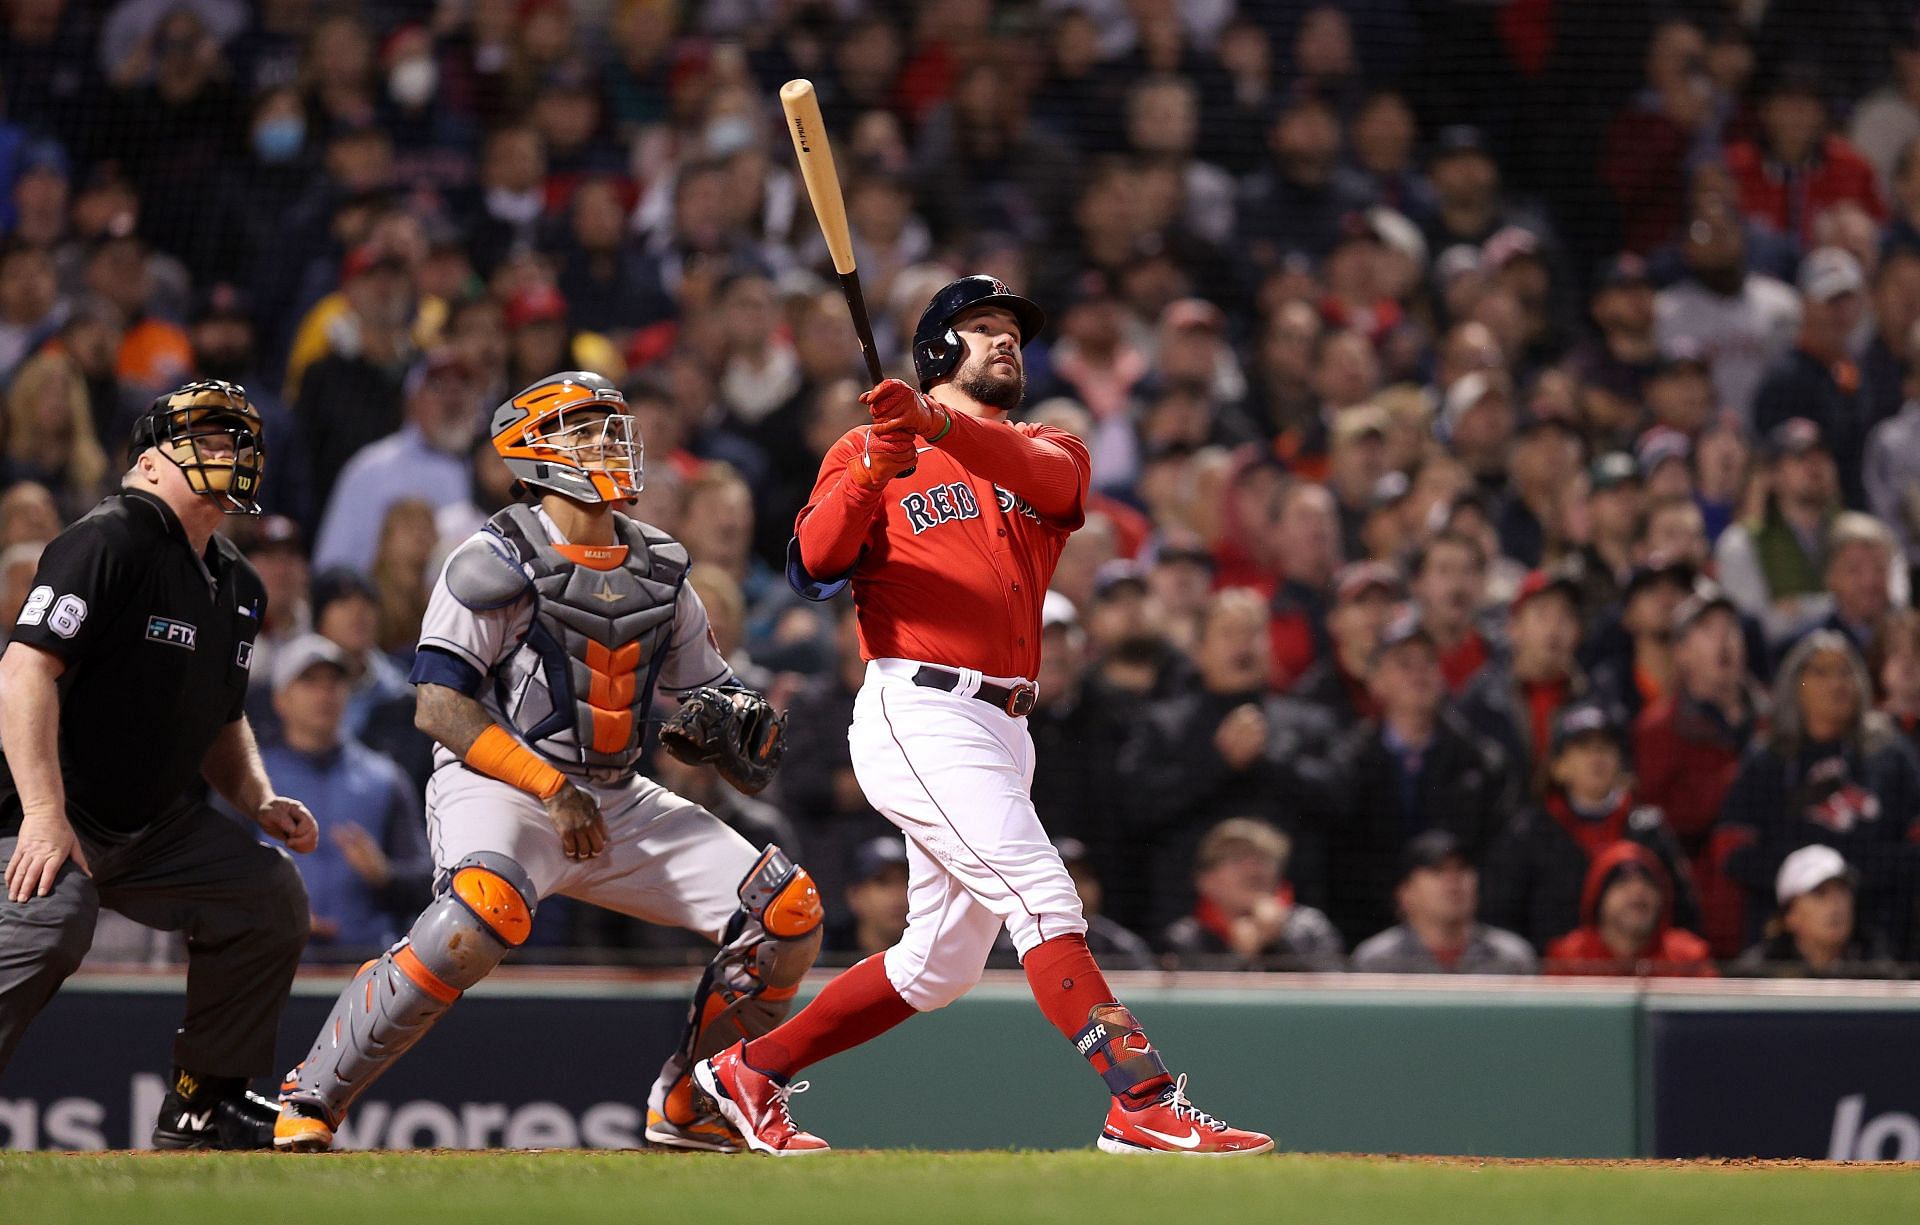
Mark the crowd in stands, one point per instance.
(1505, 423)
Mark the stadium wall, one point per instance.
(1490, 1067)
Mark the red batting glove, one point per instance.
(884, 457)
(898, 407)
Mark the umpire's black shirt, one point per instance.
(157, 644)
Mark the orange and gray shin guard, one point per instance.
(484, 908)
(750, 983)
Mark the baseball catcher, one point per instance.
(545, 639)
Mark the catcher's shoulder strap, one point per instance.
(485, 571)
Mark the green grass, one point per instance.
(906, 1187)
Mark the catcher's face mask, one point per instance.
(571, 434)
(214, 435)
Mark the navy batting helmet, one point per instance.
(937, 348)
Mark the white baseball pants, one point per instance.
(954, 772)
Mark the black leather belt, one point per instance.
(1018, 701)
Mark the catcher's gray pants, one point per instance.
(241, 904)
(668, 860)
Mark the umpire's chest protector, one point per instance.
(581, 679)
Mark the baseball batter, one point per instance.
(949, 564)
(545, 638)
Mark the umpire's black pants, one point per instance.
(241, 904)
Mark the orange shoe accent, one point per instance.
(498, 904)
(301, 1133)
(423, 978)
(593, 557)
(795, 910)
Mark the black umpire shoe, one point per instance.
(239, 1120)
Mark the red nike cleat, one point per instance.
(756, 1104)
(1177, 1126)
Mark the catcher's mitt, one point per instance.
(734, 730)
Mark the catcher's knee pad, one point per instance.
(769, 947)
(485, 906)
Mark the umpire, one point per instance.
(121, 691)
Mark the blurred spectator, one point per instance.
(1687, 743)
(1366, 596)
(1641, 670)
(1246, 914)
(1614, 366)
(278, 554)
(1536, 869)
(1513, 700)
(1543, 461)
(1892, 311)
(1220, 748)
(1818, 380)
(1112, 943)
(28, 515)
(1859, 577)
(18, 564)
(1437, 896)
(1887, 121)
(1723, 480)
(1668, 123)
(876, 899)
(1306, 552)
(1771, 566)
(1894, 660)
(816, 784)
(1891, 469)
(1736, 319)
(1449, 576)
(1829, 770)
(1296, 204)
(426, 460)
(1813, 933)
(353, 395)
(371, 873)
(31, 309)
(346, 610)
(1626, 911)
(1796, 169)
(50, 438)
(1418, 767)
(509, 200)
(400, 577)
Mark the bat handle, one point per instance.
(857, 307)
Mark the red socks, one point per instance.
(1066, 983)
(857, 1006)
(1074, 995)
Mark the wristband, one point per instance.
(497, 754)
(945, 429)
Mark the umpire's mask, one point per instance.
(213, 434)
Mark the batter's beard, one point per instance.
(979, 383)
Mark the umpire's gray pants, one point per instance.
(241, 904)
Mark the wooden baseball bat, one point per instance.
(809, 132)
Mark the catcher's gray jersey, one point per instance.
(567, 648)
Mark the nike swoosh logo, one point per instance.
(1190, 1140)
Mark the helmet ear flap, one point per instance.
(937, 356)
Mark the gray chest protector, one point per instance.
(579, 685)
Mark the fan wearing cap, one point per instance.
(1615, 511)
(1814, 933)
(876, 898)
(1830, 769)
(1535, 870)
(1614, 365)
(1818, 379)
(1418, 766)
(1626, 923)
(1772, 566)
(1438, 894)
(1688, 742)
(948, 521)
(1514, 698)
(344, 376)
(1245, 916)
(1542, 463)
(371, 872)
(1633, 655)
(1366, 596)
(1356, 464)
(122, 697)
